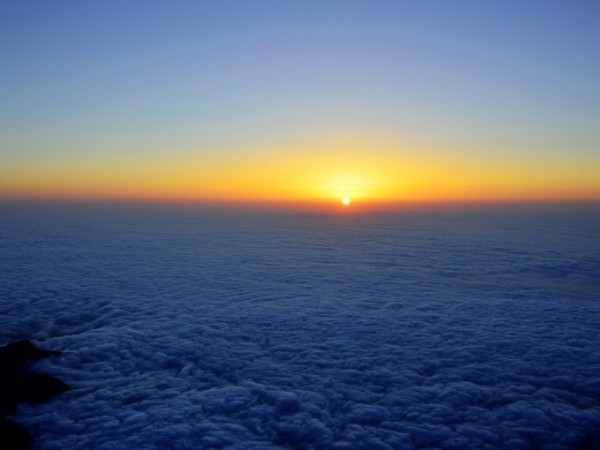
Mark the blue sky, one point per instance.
(92, 80)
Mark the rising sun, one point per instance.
(346, 201)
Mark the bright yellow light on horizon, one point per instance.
(346, 201)
(364, 170)
(319, 170)
(349, 183)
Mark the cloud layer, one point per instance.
(185, 329)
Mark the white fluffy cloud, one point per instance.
(186, 329)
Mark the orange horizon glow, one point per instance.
(367, 170)
(135, 196)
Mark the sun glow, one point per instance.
(363, 171)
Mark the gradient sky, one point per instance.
(300, 100)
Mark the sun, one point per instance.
(346, 201)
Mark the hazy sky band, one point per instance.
(277, 99)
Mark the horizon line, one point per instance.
(319, 204)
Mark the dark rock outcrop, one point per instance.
(19, 383)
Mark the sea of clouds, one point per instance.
(197, 328)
